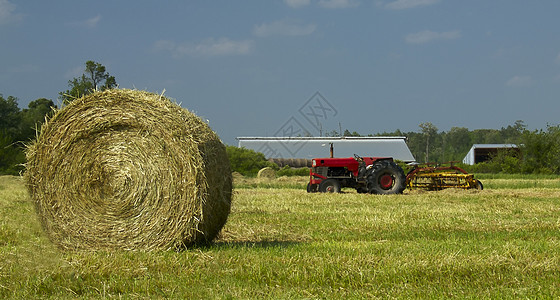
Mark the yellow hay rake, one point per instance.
(438, 177)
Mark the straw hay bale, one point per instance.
(266, 172)
(124, 169)
(291, 162)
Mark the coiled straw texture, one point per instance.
(126, 169)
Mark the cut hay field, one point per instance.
(281, 242)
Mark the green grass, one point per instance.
(281, 242)
(518, 181)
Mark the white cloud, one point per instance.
(89, 23)
(297, 3)
(429, 36)
(338, 3)
(7, 12)
(405, 4)
(207, 47)
(557, 60)
(289, 28)
(520, 81)
(92, 22)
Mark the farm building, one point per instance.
(283, 148)
(483, 152)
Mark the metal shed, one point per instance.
(310, 147)
(483, 152)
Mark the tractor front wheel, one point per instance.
(329, 186)
(385, 177)
(311, 188)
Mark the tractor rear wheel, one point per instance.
(329, 186)
(385, 177)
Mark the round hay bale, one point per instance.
(125, 169)
(266, 172)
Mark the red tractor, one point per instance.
(374, 175)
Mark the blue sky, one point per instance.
(253, 68)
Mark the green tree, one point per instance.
(457, 142)
(95, 78)
(9, 115)
(246, 161)
(541, 151)
(33, 117)
(18, 127)
(11, 155)
(430, 132)
(486, 136)
(348, 133)
(512, 134)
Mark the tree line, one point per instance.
(20, 126)
(539, 149)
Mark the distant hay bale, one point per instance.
(266, 172)
(291, 162)
(124, 169)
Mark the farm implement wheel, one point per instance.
(479, 185)
(329, 186)
(385, 177)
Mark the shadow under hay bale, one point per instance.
(124, 169)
